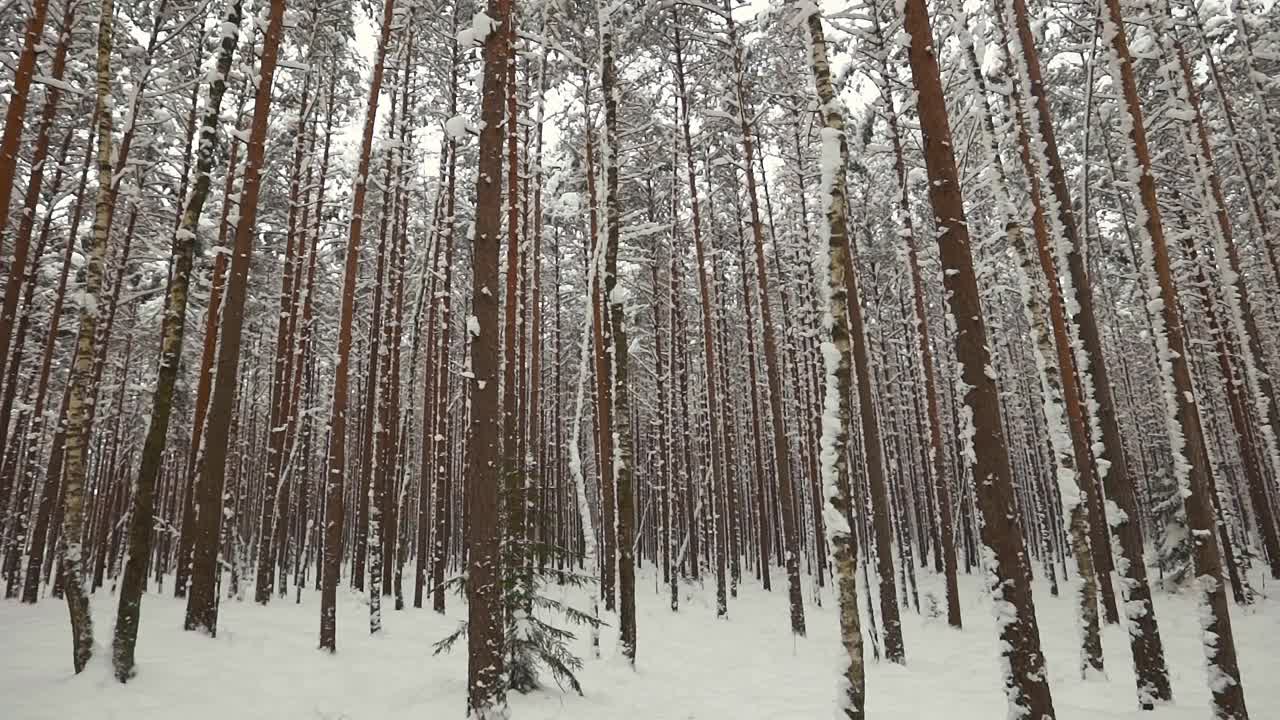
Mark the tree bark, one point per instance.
(1182, 414)
(202, 600)
(1096, 389)
(937, 467)
(79, 391)
(14, 124)
(50, 491)
(985, 447)
(172, 329)
(486, 691)
(836, 361)
(1061, 402)
(773, 374)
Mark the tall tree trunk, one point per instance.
(336, 465)
(1061, 402)
(705, 290)
(515, 488)
(781, 442)
(10, 141)
(602, 373)
(1182, 416)
(19, 517)
(79, 391)
(49, 493)
(204, 380)
(20, 275)
(443, 491)
(1111, 463)
(873, 448)
(623, 444)
(486, 691)
(202, 600)
(372, 461)
(172, 329)
(273, 498)
(982, 434)
(836, 362)
(1235, 291)
(936, 467)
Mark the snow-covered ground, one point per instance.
(264, 664)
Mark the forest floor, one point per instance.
(264, 663)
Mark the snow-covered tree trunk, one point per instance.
(1096, 388)
(173, 324)
(17, 521)
(202, 601)
(831, 263)
(273, 500)
(981, 427)
(773, 374)
(10, 141)
(204, 375)
(708, 305)
(1060, 397)
(1185, 98)
(21, 274)
(79, 390)
(622, 445)
(50, 489)
(1182, 416)
(937, 467)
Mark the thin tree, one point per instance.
(1185, 96)
(335, 468)
(781, 441)
(1112, 462)
(202, 599)
(707, 304)
(622, 441)
(1061, 402)
(10, 141)
(79, 388)
(836, 363)
(937, 467)
(985, 448)
(26, 227)
(173, 324)
(1182, 414)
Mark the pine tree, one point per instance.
(202, 599)
(172, 330)
(1182, 415)
(486, 690)
(985, 447)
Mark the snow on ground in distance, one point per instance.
(264, 663)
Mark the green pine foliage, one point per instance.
(537, 638)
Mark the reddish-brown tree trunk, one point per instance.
(1025, 679)
(486, 693)
(14, 123)
(715, 425)
(1185, 428)
(273, 499)
(936, 467)
(19, 276)
(53, 481)
(443, 490)
(202, 601)
(1144, 635)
